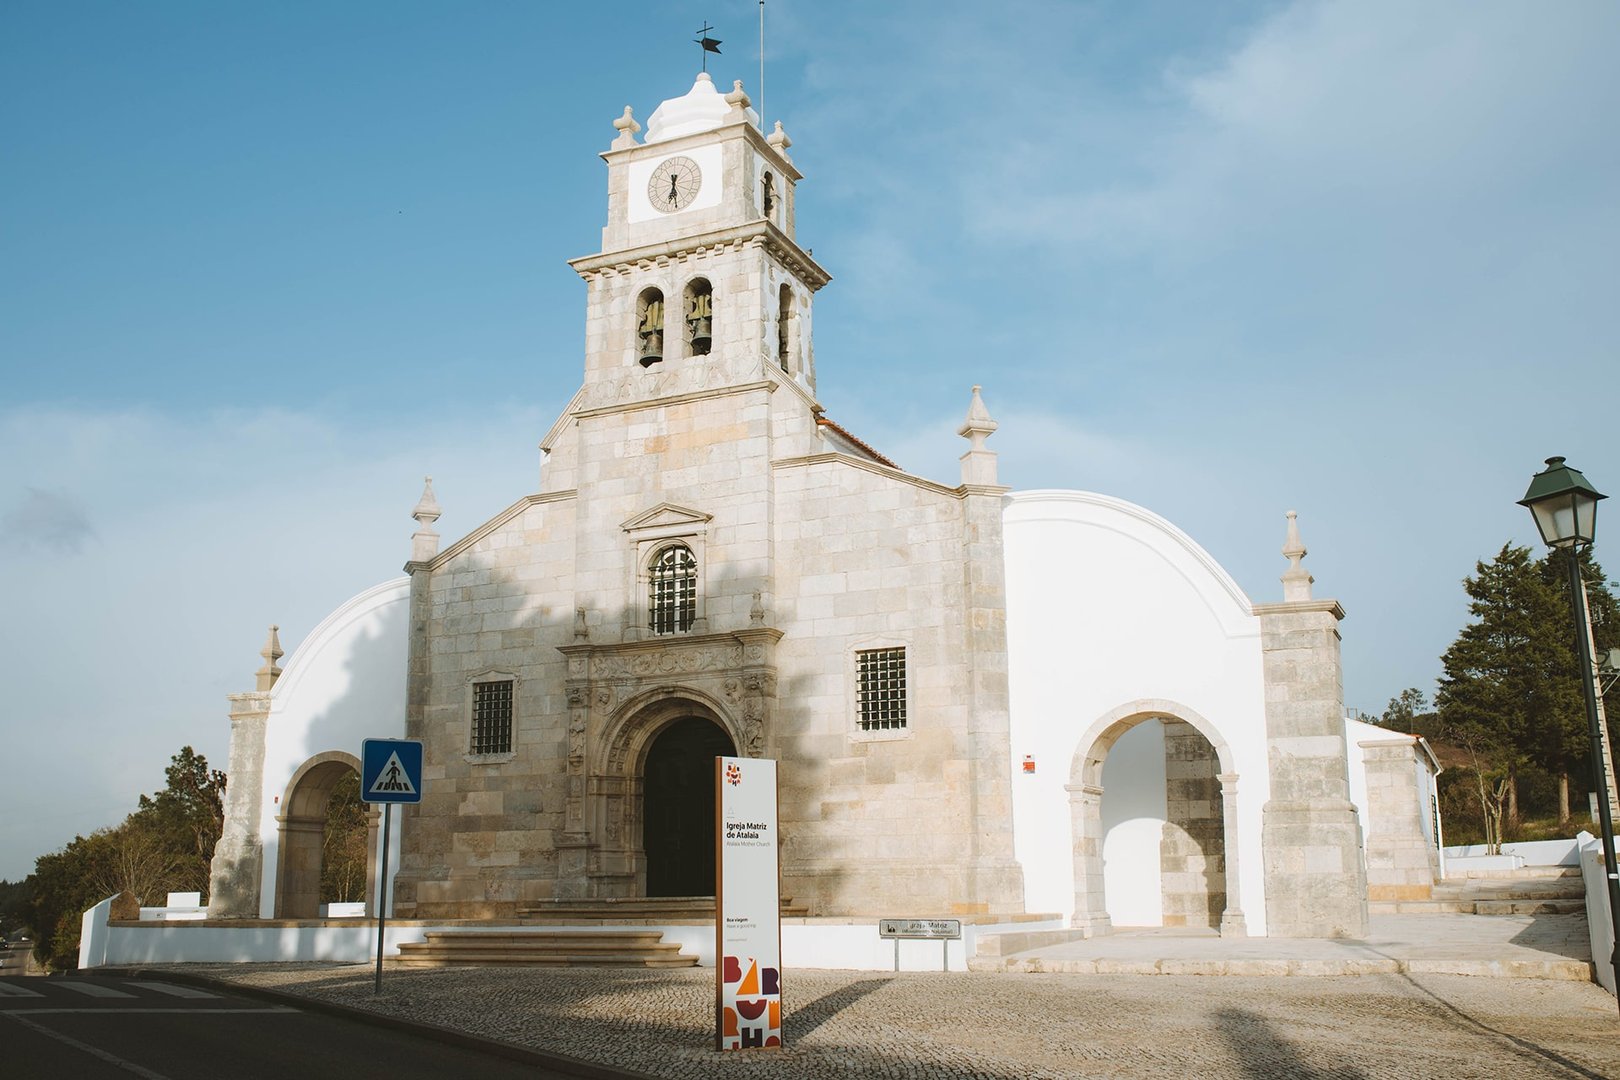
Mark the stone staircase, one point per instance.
(638, 909)
(1531, 890)
(617, 937)
(544, 948)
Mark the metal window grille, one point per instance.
(672, 590)
(881, 688)
(492, 718)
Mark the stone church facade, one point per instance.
(713, 566)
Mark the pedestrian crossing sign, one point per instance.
(391, 770)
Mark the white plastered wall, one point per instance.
(1108, 605)
(345, 683)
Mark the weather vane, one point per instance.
(708, 44)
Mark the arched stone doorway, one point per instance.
(302, 835)
(1166, 843)
(677, 814)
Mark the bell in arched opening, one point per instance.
(650, 327)
(700, 316)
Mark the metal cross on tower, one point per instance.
(706, 43)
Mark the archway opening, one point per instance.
(677, 817)
(1153, 821)
(328, 840)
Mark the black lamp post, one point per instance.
(1565, 509)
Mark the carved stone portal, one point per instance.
(619, 698)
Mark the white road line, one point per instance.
(12, 990)
(171, 1010)
(93, 1051)
(89, 989)
(173, 990)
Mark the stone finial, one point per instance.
(1296, 579)
(979, 463)
(627, 128)
(778, 141)
(756, 611)
(425, 541)
(267, 675)
(581, 631)
(739, 102)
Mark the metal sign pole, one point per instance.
(382, 893)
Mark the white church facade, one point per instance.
(984, 703)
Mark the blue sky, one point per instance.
(266, 266)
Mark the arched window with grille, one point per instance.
(672, 590)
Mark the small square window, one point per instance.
(881, 689)
(492, 717)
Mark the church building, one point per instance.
(984, 703)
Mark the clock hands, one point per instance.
(673, 194)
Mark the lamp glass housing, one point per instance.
(1563, 504)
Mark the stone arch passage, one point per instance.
(302, 828)
(1196, 868)
(677, 816)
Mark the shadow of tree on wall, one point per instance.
(1263, 1053)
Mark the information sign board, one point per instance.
(925, 929)
(748, 906)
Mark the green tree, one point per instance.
(343, 845)
(164, 846)
(1503, 698)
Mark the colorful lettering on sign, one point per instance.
(751, 1004)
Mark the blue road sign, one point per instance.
(391, 770)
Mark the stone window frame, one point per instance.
(852, 693)
(490, 675)
(645, 542)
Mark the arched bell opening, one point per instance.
(699, 307)
(785, 329)
(1154, 814)
(650, 327)
(315, 850)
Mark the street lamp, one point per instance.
(1565, 508)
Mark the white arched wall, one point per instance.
(1110, 604)
(345, 683)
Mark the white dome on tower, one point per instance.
(702, 108)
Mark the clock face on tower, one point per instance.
(674, 184)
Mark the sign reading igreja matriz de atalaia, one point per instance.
(748, 930)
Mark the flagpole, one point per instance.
(762, 65)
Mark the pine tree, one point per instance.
(1505, 696)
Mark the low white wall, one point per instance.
(848, 946)
(1599, 923)
(1533, 852)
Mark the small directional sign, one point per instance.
(391, 770)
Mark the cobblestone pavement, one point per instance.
(1025, 1026)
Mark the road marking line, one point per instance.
(11, 990)
(113, 1010)
(174, 991)
(89, 989)
(93, 1051)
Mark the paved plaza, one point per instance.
(1004, 1025)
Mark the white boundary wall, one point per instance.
(1599, 923)
(805, 944)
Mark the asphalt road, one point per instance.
(90, 1028)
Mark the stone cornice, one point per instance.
(664, 147)
(880, 470)
(1301, 607)
(760, 231)
(684, 642)
(488, 527)
(767, 385)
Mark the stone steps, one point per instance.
(544, 948)
(639, 909)
(1528, 891)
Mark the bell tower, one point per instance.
(700, 282)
